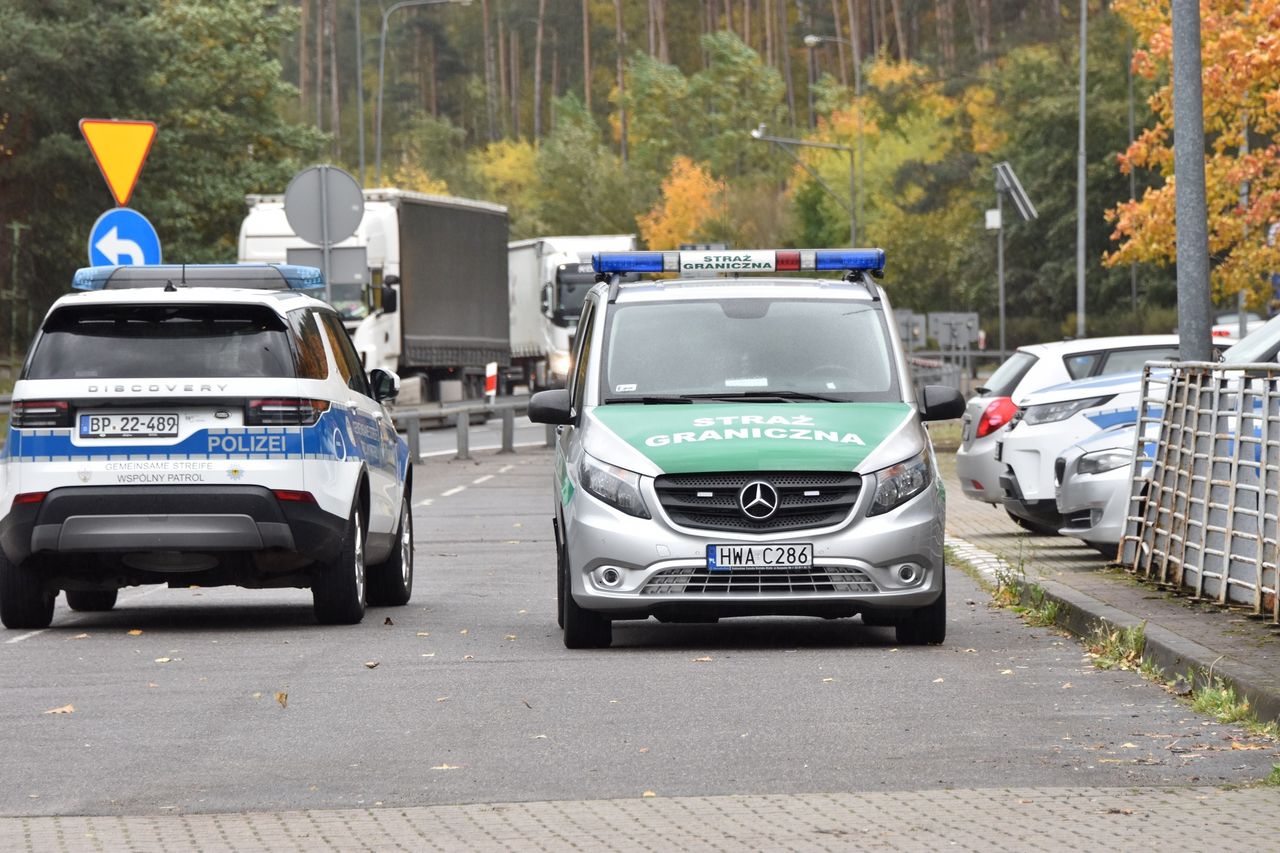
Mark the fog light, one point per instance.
(909, 573)
(611, 577)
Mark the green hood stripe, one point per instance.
(702, 437)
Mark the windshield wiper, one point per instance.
(651, 400)
(768, 396)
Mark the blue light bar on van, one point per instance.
(741, 260)
(248, 276)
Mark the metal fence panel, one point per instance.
(1204, 498)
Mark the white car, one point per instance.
(1029, 369)
(204, 425)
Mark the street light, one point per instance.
(783, 142)
(382, 59)
(812, 41)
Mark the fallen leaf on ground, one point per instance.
(388, 621)
(509, 637)
(163, 660)
(447, 767)
(939, 680)
(1238, 745)
(1006, 672)
(538, 737)
(283, 699)
(468, 657)
(648, 794)
(464, 631)
(424, 633)
(644, 749)
(65, 709)
(442, 698)
(1128, 746)
(703, 659)
(371, 664)
(80, 637)
(136, 632)
(827, 680)
(1067, 686)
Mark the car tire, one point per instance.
(339, 592)
(391, 581)
(92, 600)
(1032, 526)
(927, 626)
(24, 600)
(583, 629)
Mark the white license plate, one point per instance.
(134, 425)
(724, 558)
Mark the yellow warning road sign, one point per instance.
(120, 147)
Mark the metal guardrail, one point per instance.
(1204, 499)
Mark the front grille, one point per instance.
(763, 582)
(805, 499)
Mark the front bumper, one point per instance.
(1094, 506)
(632, 568)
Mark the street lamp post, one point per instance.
(782, 142)
(382, 60)
(811, 41)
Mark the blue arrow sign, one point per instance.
(123, 236)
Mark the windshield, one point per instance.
(835, 350)
(1256, 347)
(571, 292)
(348, 300)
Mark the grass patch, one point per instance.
(1117, 648)
(945, 434)
(1219, 700)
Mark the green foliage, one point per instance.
(584, 187)
(206, 73)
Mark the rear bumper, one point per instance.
(125, 519)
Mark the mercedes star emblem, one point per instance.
(758, 500)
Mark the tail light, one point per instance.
(294, 496)
(998, 413)
(40, 414)
(287, 411)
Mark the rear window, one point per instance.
(161, 341)
(1008, 375)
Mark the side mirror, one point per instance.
(385, 384)
(389, 294)
(941, 403)
(551, 407)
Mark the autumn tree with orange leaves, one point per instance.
(1240, 49)
(690, 201)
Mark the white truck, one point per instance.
(423, 290)
(548, 279)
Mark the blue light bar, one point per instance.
(248, 276)
(740, 261)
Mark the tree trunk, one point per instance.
(514, 39)
(621, 36)
(839, 28)
(784, 51)
(503, 80)
(769, 19)
(746, 22)
(946, 18)
(653, 28)
(537, 72)
(660, 22)
(586, 52)
(304, 60)
(335, 105)
(898, 30)
(490, 104)
(855, 41)
(728, 16)
(433, 83)
(319, 61)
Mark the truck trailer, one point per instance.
(549, 278)
(424, 291)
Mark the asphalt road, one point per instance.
(235, 700)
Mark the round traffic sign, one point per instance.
(123, 236)
(323, 196)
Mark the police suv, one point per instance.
(201, 425)
(734, 446)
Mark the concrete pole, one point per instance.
(1194, 304)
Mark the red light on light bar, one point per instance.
(786, 261)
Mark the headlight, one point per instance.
(899, 483)
(1103, 460)
(617, 487)
(1050, 412)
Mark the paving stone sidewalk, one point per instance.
(1052, 819)
(1183, 636)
